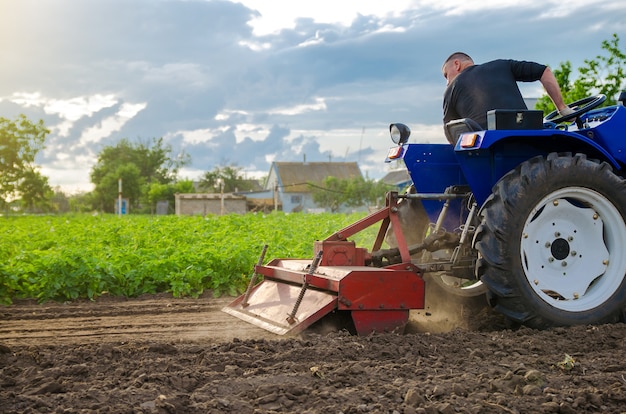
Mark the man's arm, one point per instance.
(551, 85)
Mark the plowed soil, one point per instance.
(162, 355)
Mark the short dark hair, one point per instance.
(458, 55)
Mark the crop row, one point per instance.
(82, 256)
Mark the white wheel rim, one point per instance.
(572, 249)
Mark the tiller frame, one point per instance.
(295, 293)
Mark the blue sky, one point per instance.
(256, 81)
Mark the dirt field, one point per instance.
(164, 355)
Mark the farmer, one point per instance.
(472, 89)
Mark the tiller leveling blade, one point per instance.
(295, 293)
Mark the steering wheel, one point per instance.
(580, 107)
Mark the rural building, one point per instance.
(252, 184)
(287, 189)
(204, 203)
(400, 179)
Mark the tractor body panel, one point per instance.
(433, 168)
(493, 153)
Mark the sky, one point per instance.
(249, 82)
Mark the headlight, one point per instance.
(399, 133)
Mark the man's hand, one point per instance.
(566, 111)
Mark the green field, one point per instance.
(83, 256)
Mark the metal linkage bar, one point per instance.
(441, 196)
(244, 302)
(291, 318)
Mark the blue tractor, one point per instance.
(531, 211)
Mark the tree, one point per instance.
(352, 192)
(167, 192)
(602, 75)
(107, 191)
(230, 176)
(82, 202)
(363, 191)
(138, 165)
(60, 201)
(20, 141)
(331, 194)
(36, 192)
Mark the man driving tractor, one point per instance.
(472, 89)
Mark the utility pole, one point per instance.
(220, 184)
(119, 197)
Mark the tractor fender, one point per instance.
(486, 156)
(549, 138)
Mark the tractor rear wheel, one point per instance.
(551, 243)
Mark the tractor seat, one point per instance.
(456, 127)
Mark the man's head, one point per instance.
(455, 64)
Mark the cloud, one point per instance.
(253, 81)
(111, 124)
(76, 108)
(318, 105)
(199, 136)
(191, 75)
(284, 14)
(71, 109)
(68, 110)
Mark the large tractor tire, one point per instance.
(552, 243)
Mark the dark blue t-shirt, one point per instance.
(491, 85)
